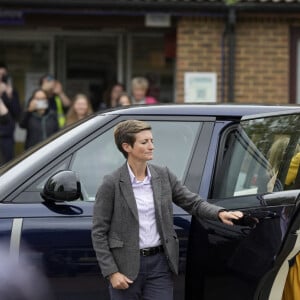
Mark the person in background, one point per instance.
(111, 95)
(10, 99)
(80, 108)
(39, 120)
(123, 100)
(4, 118)
(58, 100)
(4, 114)
(153, 90)
(139, 195)
(139, 88)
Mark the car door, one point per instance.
(256, 171)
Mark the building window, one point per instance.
(149, 56)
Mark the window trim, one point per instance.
(294, 38)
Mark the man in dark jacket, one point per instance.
(10, 99)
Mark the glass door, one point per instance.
(90, 64)
(28, 56)
(148, 56)
(26, 60)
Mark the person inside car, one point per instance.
(133, 233)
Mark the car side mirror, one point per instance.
(62, 186)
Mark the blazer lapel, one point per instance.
(126, 188)
(156, 188)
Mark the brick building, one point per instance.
(262, 53)
(251, 46)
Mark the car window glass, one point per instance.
(261, 156)
(94, 160)
(173, 143)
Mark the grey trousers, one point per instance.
(154, 281)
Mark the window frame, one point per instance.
(294, 38)
(293, 136)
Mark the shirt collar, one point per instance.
(133, 178)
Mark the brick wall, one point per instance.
(198, 49)
(261, 58)
(262, 61)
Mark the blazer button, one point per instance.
(167, 241)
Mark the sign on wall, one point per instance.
(158, 20)
(200, 87)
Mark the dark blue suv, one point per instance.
(231, 155)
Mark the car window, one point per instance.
(260, 156)
(173, 143)
(94, 160)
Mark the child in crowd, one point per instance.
(80, 108)
(124, 100)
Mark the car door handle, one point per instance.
(262, 214)
(251, 218)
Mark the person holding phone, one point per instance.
(58, 100)
(38, 119)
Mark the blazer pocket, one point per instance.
(115, 243)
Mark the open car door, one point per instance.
(257, 173)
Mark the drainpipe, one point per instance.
(223, 63)
(231, 22)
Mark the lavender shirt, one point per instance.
(148, 233)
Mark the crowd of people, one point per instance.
(49, 108)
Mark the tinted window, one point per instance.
(173, 146)
(260, 156)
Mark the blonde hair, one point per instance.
(72, 116)
(276, 152)
(140, 82)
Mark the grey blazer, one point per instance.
(115, 232)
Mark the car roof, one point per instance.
(217, 110)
